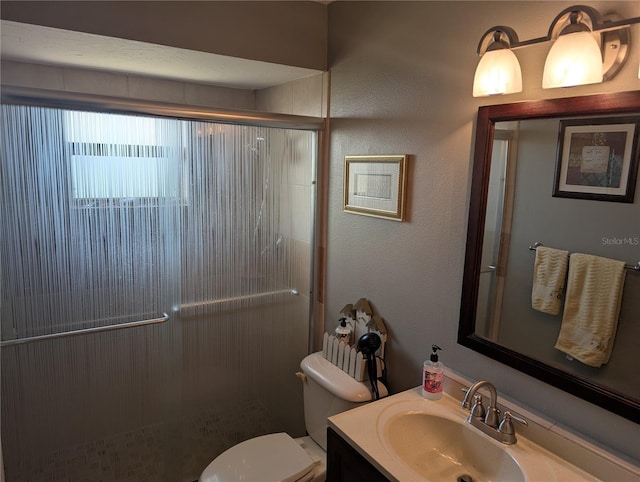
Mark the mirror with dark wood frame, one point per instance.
(560, 371)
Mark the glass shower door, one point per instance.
(246, 303)
(155, 291)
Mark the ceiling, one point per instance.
(53, 46)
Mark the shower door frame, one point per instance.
(116, 105)
(96, 103)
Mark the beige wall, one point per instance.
(111, 84)
(305, 97)
(289, 33)
(401, 77)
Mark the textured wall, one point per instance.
(401, 77)
(289, 33)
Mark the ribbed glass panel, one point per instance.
(111, 219)
(85, 218)
(247, 234)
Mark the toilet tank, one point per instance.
(329, 391)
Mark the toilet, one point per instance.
(279, 457)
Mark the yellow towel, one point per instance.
(549, 272)
(591, 308)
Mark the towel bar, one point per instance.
(219, 301)
(119, 326)
(634, 267)
(85, 331)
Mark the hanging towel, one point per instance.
(591, 308)
(549, 272)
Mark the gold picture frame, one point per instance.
(376, 186)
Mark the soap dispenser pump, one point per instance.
(432, 376)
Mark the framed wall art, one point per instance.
(598, 159)
(376, 186)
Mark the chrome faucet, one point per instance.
(488, 420)
(492, 414)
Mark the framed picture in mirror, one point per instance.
(597, 159)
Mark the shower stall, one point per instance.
(156, 287)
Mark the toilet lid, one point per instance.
(270, 458)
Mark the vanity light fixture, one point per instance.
(586, 50)
(498, 71)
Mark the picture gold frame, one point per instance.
(376, 186)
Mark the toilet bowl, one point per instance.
(278, 457)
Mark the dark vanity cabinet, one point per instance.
(345, 464)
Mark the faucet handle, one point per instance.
(507, 429)
(515, 417)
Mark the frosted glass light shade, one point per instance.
(574, 59)
(498, 72)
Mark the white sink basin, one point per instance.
(438, 448)
(409, 438)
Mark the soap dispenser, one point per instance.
(432, 376)
(343, 332)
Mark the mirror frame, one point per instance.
(598, 104)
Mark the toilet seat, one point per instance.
(270, 458)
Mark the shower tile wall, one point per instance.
(140, 455)
(211, 432)
(135, 456)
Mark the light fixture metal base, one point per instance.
(615, 50)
